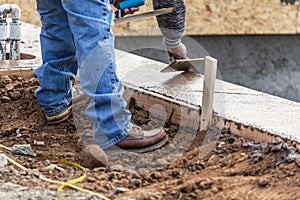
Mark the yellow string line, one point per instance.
(15, 163)
(62, 184)
(74, 187)
(4, 147)
(72, 182)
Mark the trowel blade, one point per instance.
(183, 65)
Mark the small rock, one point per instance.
(213, 160)
(17, 84)
(32, 80)
(136, 175)
(91, 179)
(174, 173)
(214, 190)
(3, 160)
(6, 79)
(52, 187)
(117, 167)
(161, 162)
(231, 172)
(39, 143)
(219, 147)
(155, 175)
(51, 168)
(15, 95)
(13, 171)
(124, 183)
(22, 149)
(262, 182)
(5, 99)
(188, 187)
(55, 145)
(135, 182)
(9, 87)
(206, 184)
(13, 77)
(121, 189)
(291, 174)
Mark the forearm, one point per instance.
(171, 25)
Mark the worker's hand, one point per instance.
(179, 52)
(125, 11)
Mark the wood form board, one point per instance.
(217, 17)
(207, 17)
(240, 17)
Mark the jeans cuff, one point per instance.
(57, 110)
(117, 139)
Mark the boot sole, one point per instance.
(60, 117)
(117, 150)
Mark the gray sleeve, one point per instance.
(171, 25)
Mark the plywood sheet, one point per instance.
(240, 17)
(207, 17)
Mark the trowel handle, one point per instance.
(173, 58)
(129, 4)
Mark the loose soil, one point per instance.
(223, 167)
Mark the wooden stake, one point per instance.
(210, 72)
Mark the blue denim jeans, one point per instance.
(77, 34)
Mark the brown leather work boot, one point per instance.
(93, 156)
(140, 141)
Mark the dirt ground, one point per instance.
(228, 167)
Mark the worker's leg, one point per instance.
(59, 62)
(91, 22)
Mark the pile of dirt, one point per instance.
(228, 167)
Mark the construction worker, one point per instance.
(172, 27)
(77, 35)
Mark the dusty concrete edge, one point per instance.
(183, 114)
(175, 111)
(180, 109)
(250, 132)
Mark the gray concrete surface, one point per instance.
(264, 112)
(269, 63)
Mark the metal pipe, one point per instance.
(3, 35)
(15, 31)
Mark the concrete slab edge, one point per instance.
(186, 115)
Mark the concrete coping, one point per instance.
(177, 96)
(244, 111)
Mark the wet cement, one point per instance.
(267, 63)
(265, 112)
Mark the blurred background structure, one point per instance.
(256, 42)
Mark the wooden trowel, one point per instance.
(183, 65)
